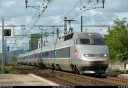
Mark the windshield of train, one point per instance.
(85, 41)
(94, 41)
(98, 41)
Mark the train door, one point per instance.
(49, 58)
(53, 57)
(33, 58)
(74, 55)
(74, 52)
(39, 59)
(41, 56)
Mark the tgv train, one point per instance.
(77, 52)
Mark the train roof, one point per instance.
(76, 35)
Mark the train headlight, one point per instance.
(89, 55)
(103, 55)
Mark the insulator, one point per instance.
(26, 1)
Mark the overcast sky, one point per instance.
(15, 13)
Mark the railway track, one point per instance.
(92, 80)
(118, 79)
(70, 79)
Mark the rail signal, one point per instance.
(8, 48)
(7, 32)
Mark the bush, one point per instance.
(14, 59)
(6, 70)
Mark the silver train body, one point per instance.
(77, 52)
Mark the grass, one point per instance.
(6, 70)
(13, 63)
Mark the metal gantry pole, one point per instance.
(65, 25)
(41, 40)
(3, 46)
(81, 24)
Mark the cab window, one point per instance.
(84, 41)
(98, 41)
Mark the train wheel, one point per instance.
(99, 74)
(53, 67)
(58, 67)
(75, 70)
(30, 64)
(34, 64)
(81, 72)
(42, 65)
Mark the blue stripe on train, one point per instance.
(50, 54)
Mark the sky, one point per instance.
(15, 13)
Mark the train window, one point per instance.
(98, 41)
(85, 41)
(45, 53)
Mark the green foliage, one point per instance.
(117, 40)
(14, 59)
(0, 58)
(6, 70)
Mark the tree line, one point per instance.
(117, 40)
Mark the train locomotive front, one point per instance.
(91, 54)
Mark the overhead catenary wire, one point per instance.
(77, 14)
(73, 8)
(81, 3)
(33, 17)
(29, 29)
(38, 17)
(62, 18)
